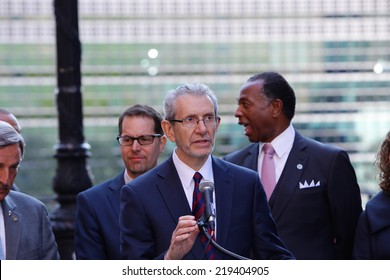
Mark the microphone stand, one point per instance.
(203, 226)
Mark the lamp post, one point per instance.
(72, 174)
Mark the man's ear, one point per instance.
(167, 126)
(163, 141)
(277, 107)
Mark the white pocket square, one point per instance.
(307, 185)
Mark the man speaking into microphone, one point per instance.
(161, 209)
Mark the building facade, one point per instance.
(335, 53)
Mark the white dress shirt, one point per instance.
(186, 175)
(127, 178)
(282, 146)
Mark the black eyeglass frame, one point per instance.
(141, 142)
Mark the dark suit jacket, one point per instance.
(373, 230)
(152, 204)
(28, 230)
(97, 221)
(314, 222)
(15, 188)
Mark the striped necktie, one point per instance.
(197, 211)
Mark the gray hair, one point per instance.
(196, 89)
(10, 118)
(9, 136)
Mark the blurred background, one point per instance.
(335, 54)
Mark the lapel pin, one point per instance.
(299, 166)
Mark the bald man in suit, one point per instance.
(316, 201)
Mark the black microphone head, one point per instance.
(204, 183)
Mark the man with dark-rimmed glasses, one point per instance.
(141, 141)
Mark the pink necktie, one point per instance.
(268, 178)
(197, 211)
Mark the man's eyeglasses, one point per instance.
(146, 139)
(191, 122)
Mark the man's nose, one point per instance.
(201, 125)
(238, 112)
(136, 145)
(4, 176)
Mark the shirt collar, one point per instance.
(127, 178)
(283, 142)
(186, 173)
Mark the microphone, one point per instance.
(206, 187)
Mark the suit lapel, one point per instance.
(223, 183)
(12, 229)
(290, 176)
(114, 191)
(250, 160)
(172, 192)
